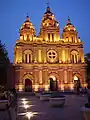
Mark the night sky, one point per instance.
(14, 12)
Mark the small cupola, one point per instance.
(69, 32)
(27, 30)
(69, 26)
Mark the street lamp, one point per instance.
(29, 115)
(26, 106)
(23, 99)
(24, 102)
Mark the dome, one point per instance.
(69, 27)
(27, 26)
(48, 11)
(48, 19)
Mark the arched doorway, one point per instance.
(53, 83)
(77, 83)
(28, 85)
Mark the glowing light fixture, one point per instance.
(24, 102)
(26, 106)
(23, 99)
(30, 114)
(75, 78)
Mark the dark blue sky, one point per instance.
(13, 13)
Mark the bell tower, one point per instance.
(27, 35)
(27, 30)
(49, 30)
(69, 33)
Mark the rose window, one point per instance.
(52, 56)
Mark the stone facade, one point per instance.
(49, 61)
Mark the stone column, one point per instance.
(36, 76)
(50, 36)
(83, 73)
(71, 78)
(46, 36)
(27, 58)
(54, 36)
(60, 54)
(39, 55)
(35, 55)
(46, 83)
(65, 76)
(62, 79)
(46, 76)
(74, 59)
(19, 54)
(45, 55)
(82, 55)
(31, 57)
(66, 58)
(17, 76)
(69, 57)
(40, 77)
(63, 55)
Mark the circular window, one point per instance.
(52, 56)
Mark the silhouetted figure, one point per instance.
(12, 104)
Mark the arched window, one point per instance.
(74, 56)
(27, 56)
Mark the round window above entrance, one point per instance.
(52, 56)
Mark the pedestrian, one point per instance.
(12, 105)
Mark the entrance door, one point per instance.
(53, 85)
(28, 85)
(77, 84)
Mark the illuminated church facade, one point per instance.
(49, 61)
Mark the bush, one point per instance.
(56, 94)
(87, 105)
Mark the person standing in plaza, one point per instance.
(12, 105)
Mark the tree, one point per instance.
(87, 59)
(4, 64)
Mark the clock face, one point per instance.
(52, 56)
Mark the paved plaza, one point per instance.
(43, 111)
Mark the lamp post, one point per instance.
(29, 115)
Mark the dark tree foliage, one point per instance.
(4, 64)
(87, 59)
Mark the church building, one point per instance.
(49, 61)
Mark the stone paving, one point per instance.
(71, 110)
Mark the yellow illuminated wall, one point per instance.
(64, 62)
